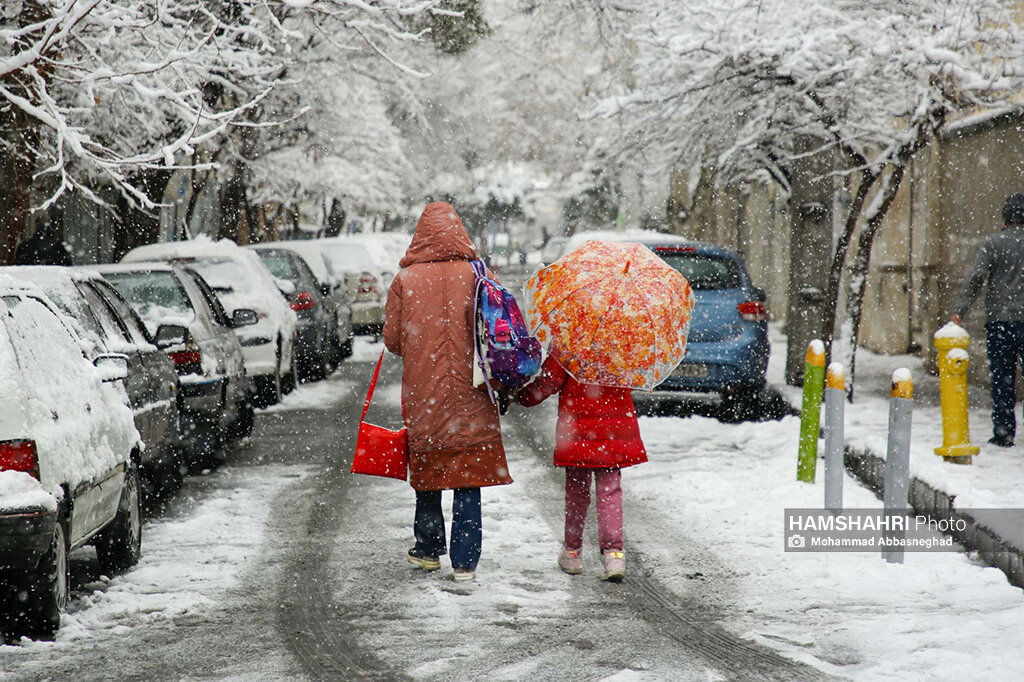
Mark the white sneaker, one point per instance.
(614, 565)
(463, 575)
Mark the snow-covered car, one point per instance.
(107, 325)
(336, 298)
(187, 322)
(69, 460)
(242, 282)
(313, 339)
(351, 261)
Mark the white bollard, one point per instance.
(897, 457)
(835, 415)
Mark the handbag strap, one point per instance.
(373, 385)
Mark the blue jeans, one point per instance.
(1005, 349)
(467, 532)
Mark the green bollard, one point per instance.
(810, 411)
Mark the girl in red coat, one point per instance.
(597, 432)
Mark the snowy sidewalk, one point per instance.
(994, 481)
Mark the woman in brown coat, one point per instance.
(454, 434)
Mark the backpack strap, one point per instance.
(481, 274)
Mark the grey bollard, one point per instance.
(835, 415)
(897, 457)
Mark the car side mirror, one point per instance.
(244, 317)
(326, 289)
(112, 366)
(759, 295)
(284, 286)
(168, 335)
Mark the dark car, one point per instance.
(727, 348)
(188, 323)
(336, 297)
(312, 340)
(108, 325)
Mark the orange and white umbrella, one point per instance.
(612, 313)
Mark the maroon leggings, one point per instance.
(609, 506)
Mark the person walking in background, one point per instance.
(1000, 267)
(597, 432)
(454, 433)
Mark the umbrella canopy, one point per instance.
(613, 313)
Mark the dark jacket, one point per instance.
(597, 426)
(42, 248)
(454, 434)
(1000, 265)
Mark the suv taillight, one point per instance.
(304, 301)
(19, 455)
(753, 311)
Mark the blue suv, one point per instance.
(727, 349)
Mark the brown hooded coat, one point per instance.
(454, 433)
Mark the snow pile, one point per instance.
(951, 330)
(20, 491)
(723, 489)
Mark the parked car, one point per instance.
(242, 282)
(313, 340)
(727, 349)
(107, 325)
(187, 321)
(69, 460)
(336, 298)
(351, 262)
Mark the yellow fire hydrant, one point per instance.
(951, 341)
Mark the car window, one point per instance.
(703, 271)
(50, 360)
(216, 309)
(112, 327)
(151, 293)
(222, 275)
(279, 264)
(127, 316)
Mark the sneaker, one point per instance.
(1001, 441)
(427, 563)
(614, 565)
(571, 561)
(463, 575)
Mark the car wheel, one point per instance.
(119, 546)
(291, 379)
(35, 605)
(345, 349)
(241, 427)
(741, 403)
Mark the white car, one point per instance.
(352, 263)
(242, 282)
(69, 460)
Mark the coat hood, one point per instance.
(440, 236)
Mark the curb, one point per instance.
(925, 500)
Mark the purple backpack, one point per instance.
(506, 350)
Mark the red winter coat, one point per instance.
(597, 426)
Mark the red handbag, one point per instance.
(380, 451)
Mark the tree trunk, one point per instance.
(842, 248)
(862, 261)
(16, 169)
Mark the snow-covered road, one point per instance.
(281, 565)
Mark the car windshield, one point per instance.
(150, 292)
(280, 265)
(703, 272)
